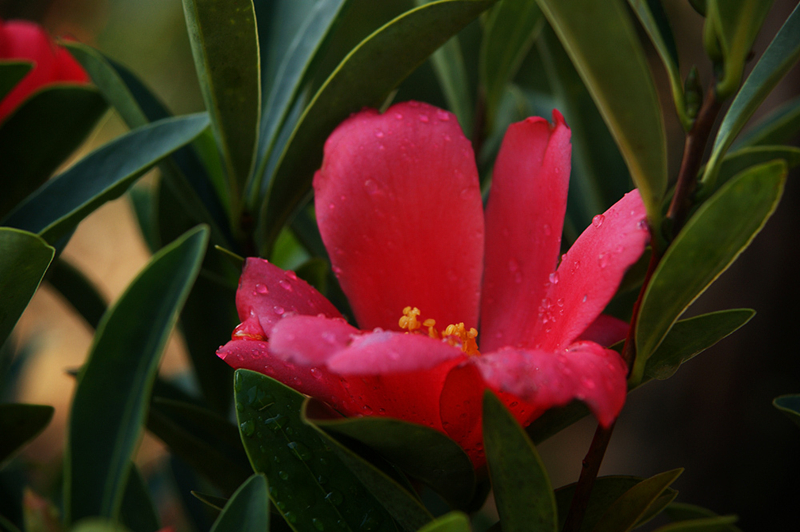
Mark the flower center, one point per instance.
(456, 334)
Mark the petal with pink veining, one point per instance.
(590, 273)
(524, 218)
(399, 208)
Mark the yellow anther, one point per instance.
(456, 335)
(409, 320)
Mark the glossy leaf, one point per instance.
(137, 512)
(522, 490)
(247, 510)
(364, 78)
(779, 127)
(309, 484)
(450, 522)
(423, 453)
(19, 424)
(24, 259)
(699, 516)
(203, 439)
(217, 503)
(11, 72)
(780, 56)
(78, 290)
(227, 64)
(712, 239)
(789, 405)
(629, 509)
(740, 160)
(606, 490)
(40, 134)
(59, 205)
(509, 32)
(110, 403)
(623, 90)
(721, 523)
(692, 336)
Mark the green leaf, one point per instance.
(364, 78)
(692, 336)
(740, 160)
(61, 203)
(78, 290)
(779, 127)
(633, 505)
(41, 134)
(95, 524)
(308, 483)
(24, 258)
(450, 522)
(423, 453)
(735, 24)
(225, 49)
(11, 72)
(522, 490)
(712, 239)
(721, 523)
(698, 516)
(509, 32)
(789, 405)
(782, 53)
(19, 424)
(247, 510)
(202, 438)
(622, 89)
(606, 490)
(137, 512)
(114, 386)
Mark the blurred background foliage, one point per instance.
(715, 419)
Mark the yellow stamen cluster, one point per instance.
(456, 335)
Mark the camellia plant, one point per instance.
(387, 302)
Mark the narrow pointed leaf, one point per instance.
(622, 89)
(452, 522)
(78, 290)
(633, 505)
(41, 134)
(225, 49)
(137, 512)
(789, 405)
(698, 516)
(423, 453)
(11, 72)
(24, 259)
(309, 484)
(19, 424)
(779, 127)
(363, 79)
(782, 53)
(247, 510)
(721, 523)
(740, 160)
(59, 205)
(522, 490)
(712, 239)
(110, 404)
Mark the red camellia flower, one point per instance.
(27, 41)
(399, 209)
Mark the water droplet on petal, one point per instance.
(371, 186)
(598, 220)
(278, 310)
(262, 289)
(547, 229)
(286, 285)
(291, 275)
(442, 115)
(379, 133)
(398, 116)
(603, 259)
(423, 119)
(553, 278)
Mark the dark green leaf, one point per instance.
(509, 32)
(522, 490)
(740, 160)
(144, 202)
(217, 503)
(309, 484)
(23, 260)
(789, 405)
(203, 439)
(692, 336)
(78, 291)
(225, 48)
(451, 522)
(782, 53)
(19, 424)
(247, 510)
(58, 206)
(41, 134)
(606, 490)
(622, 89)
(779, 127)
(712, 239)
(697, 515)
(11, 72)
(113, 391)
(633, 505)
(96, 524)
(137, 512)
(364, 78)
(423, 453)
(721, 523)
(555, 420)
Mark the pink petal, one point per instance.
(606, 330)
(267, 294)
(310, 340)
(524, 218)
(399, 209)
(590, 273)
(585, 371)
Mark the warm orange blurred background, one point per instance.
(714, 417)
